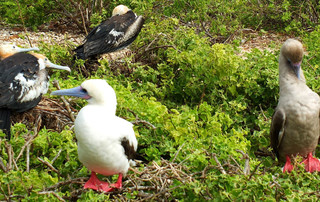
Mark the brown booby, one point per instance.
(23, 80)
(113, 34)
(106, 142)
(295, 122)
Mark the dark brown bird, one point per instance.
(295, 123)
(114, 34)
(23, 81)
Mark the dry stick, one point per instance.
(138, 120)
(2, 166)
(176, 154)
(263, 112)
(23, 147)
(9, 164)
(255, 170)
(53, 193)
(246, 169)
(4, 193)
(156, 38)
(56, 84)
(35, 132)
(83, 22)
(161, 192)
(24, 27)
(49, 165)
(28, 157)
(68, 14)
(14, 162)
(55, 158)
(79, 180)
(219, 164)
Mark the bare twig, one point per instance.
(2, 166)
(161, 192)
(79, 180)
(265, 118)
(255, 170)
(49, 165)
(55, 158)
(53, 193)
(68, 14)
(220, 168)
(23, 147)
(83, 21)
(138, 120)
(8, 148)
(28, 157)
(176, 154)
(246, 169)
(56, 84)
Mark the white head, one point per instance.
(45, 62)
(95, 91)
(7, 49)
(120, 10)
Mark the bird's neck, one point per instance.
(105, 107)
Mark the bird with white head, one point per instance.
(106, 142)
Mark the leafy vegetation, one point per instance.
(198, 106)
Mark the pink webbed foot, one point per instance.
(95, 184)
(118, 184)
(311, 164)
(288, 166)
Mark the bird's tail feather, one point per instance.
(79, 53)
(5, 122)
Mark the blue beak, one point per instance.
(296, 68)
(76, 92)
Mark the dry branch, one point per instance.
(2, 166)
(246, 169)
(220, 168)
(138, 120)
(49, 165)
(53, 193)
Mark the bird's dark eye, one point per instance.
(13, 47)
(45, 59)
(84, 90)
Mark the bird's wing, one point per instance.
(127, 138)
(15, 71)
(104, 37)
(277, 129)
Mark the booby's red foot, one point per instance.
(118, 184)
(95, 184)
(288, 167)
(311, 164)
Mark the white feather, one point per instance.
(99, 132)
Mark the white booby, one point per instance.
(295, 126)
(114, 34)
(106, 142)
(23, 80)
(7, 49)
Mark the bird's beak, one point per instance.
(296, 69)
(26, 49)
(50, 64)
(76, 92)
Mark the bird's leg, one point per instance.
(311, 164)
(96, 184)
(118, 184)
(288, 166)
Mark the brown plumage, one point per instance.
(295, 123)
